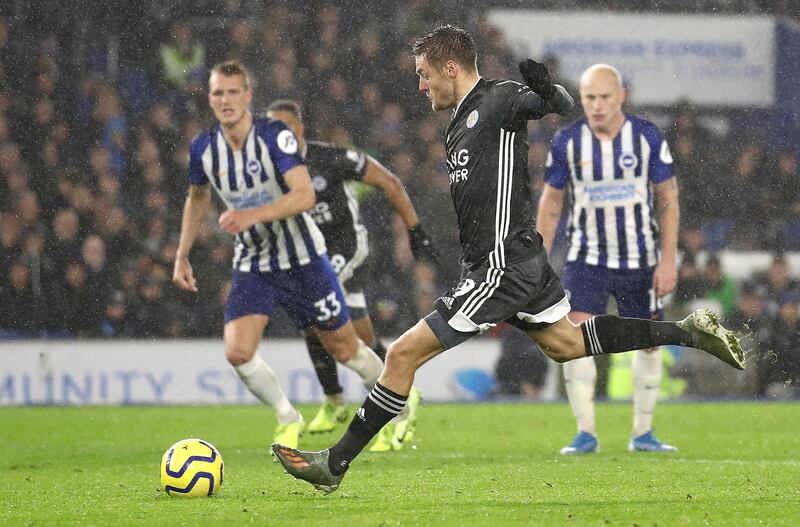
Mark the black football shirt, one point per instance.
(487, 159)
(336, 212)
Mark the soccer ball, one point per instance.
(191, 468)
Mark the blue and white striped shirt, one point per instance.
(612, 221)
(251, 177)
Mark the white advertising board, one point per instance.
(193, 372)
(709, 60)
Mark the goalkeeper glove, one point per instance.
(422, 246)
(537, 78)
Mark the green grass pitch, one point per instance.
(492, 464)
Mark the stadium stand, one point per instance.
(97, 110)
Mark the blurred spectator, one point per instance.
(116, 322)
(117, 233)
(387, 134)
(777, 281)
(182, 57)
(42, 267)
(20, 311)
(10, 237)
(154, 314)
(691, 284)
(99, 276)
(521, 368)
(65, 241)
(755, 330)
(694, 165)
(782, 373)
(74, 307)
(718, 286)
(242, 45)
(93, 156)
(784, 199)
(27, 209)
(164, 130)
(751, 214)
(690, 278)
(112, 128)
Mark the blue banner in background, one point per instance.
(786, 116)
(787, 65)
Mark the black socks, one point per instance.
(380, 407)
(324, 365)
(611, 334)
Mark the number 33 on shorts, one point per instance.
(328, 307)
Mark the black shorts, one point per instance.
(526, 294)
(352, 275)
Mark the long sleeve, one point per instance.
(537, 107)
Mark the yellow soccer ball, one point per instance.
(191, 468)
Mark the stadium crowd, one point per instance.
(94, 134)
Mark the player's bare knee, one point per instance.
(237, 356)
(399, 356)
(558, 353)
(568, 347)
(343, 353)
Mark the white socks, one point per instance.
(646, 385)
(580, 376)
(366, 364)
(262, 382)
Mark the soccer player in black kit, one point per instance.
(505, 273)
(337, 215)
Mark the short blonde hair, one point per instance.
(233, 68)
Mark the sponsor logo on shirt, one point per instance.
(287, 142)
(455, 162)
(250, 200)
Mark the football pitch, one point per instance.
(481, 464)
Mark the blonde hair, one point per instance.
(233, 68)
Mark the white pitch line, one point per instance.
(788, 462)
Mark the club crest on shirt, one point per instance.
(628, 161)
(472, 119)
(253, 167)
(319, 183)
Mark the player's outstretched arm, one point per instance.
(547, 97)
(421, 244)
(300, 198)
(198, 201)
(380, 177)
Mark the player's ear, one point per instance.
(623, 95)
(451, 68)
(248, 96)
